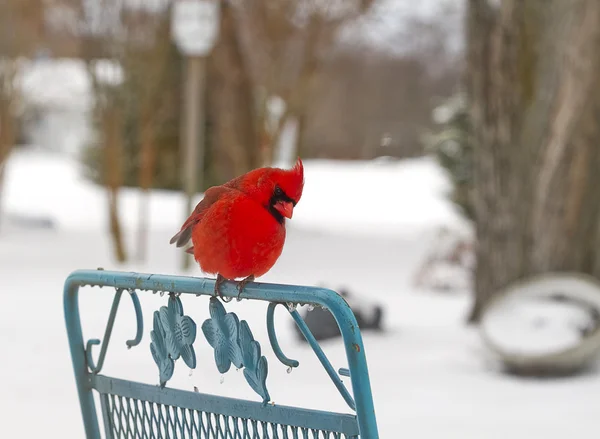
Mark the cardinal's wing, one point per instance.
(211, 195)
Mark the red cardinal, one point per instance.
(238, 229)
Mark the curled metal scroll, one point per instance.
(273, 337)
(314, 344)
(97, 367)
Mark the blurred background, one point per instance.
(451, 151)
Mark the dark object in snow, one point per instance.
(589, 327)
(323, 326)
(31, 222)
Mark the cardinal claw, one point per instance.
(242, 284)
(218, 293)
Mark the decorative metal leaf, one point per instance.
(221, 332)
(233, 342)
(210, 331)
(188, 355)
(216, 309)
(173, 337)
(235, 353)
(257, 378)
(158, 348)
(188, 330)
(222, 358)
(255, 365)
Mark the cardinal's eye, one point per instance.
(278, 191)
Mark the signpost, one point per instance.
(195, 25)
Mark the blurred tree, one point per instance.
(230, 93)
(8, 96)
(8, 100)
(110, 115)
(103, 37)
(148, 93)
(454, 151)
(369, 103)
(150, 62)
(534, 103)
(371, 100)
(347, 93)
(287, 42)
(21, 25)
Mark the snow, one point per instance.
(57, 93)
(338, 197)
(64, 82)
(376, 197)
(82, 205)
(430, 375)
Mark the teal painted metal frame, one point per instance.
(87, 371)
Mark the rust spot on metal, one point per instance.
(356, 347)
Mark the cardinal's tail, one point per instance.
(182, 237)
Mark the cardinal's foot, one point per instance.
(242, 284)
(220, 280)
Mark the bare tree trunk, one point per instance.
(2, 174)
(235, 131)
(7, 127)
(534, 104)
(114, 176)
(147, 161)
(7, 141)
(301, 134)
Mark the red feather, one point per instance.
(236, 230)
(210, 196)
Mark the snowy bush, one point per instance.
(449, 263)
(454, 151)
(165, 129)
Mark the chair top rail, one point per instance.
(205, 286)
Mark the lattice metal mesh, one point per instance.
(132, 418)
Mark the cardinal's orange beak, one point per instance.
(285, 208)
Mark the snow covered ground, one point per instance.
(366, 226)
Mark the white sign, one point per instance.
(195, 25)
